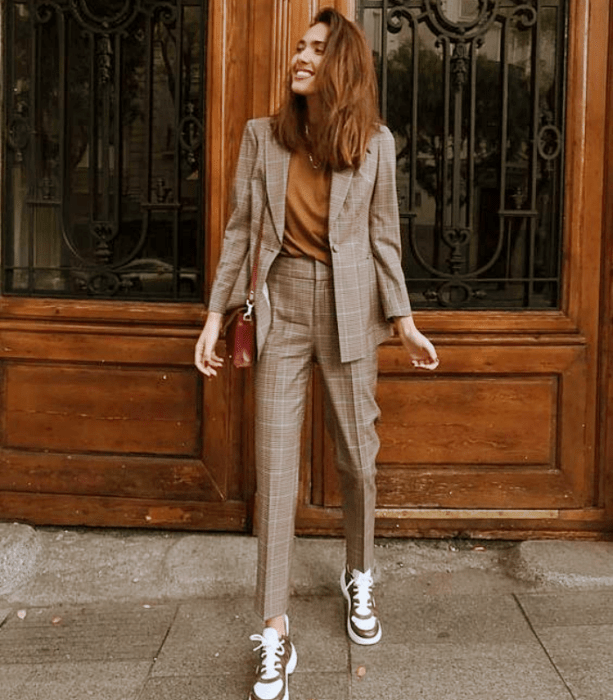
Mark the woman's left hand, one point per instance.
(421, 350)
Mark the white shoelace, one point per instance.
(363, 595)
(270, 656)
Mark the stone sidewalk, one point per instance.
(437, 646)
(461, 621)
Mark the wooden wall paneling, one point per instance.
(459, 420)
(2, 395)
(606, 317)
(239, 88)
(264, 21)
(230, 90)
(347, 7)
(75, 510)
(284, 20)
(156, 345)
(497, 428)
(586, 118)
(585, 123)
(487, 432)
(80, 398)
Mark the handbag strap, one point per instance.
(254, 271)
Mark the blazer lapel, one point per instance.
(277, 167)
(338, 192)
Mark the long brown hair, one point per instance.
(347, 86)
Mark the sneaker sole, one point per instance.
(293, 660)
(352, 635)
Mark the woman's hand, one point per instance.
(207, 361)
(421, 350)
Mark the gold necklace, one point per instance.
(314, 164)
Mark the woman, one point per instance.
(318, 179)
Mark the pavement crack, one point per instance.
(543, 647)
(3, 621)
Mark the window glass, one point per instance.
(473, 91)
(104, 159)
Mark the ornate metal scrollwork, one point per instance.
(461, 30)
(104, 55)
(109, 137)
(476, 142)
(45, 11)
(549, 142)
(103, 232)
(460, 65)
(102, 16)
(103, 283)
(525, 16)
(190, 134)
(19, 131)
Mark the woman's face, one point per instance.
(307, 59)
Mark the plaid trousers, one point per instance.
(304, 327)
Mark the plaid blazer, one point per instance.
(364, 233)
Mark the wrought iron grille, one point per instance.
(104, 113)
(473, 91)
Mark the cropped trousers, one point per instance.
(304, 329)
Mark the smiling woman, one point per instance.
(315, 187)
(332, 74)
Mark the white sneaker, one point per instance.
(363, 626)
(277, 661)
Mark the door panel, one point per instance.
(106, 425)
(101, 475)
(513, 421)
(102, 409)
(481, 437)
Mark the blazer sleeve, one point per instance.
(384, 225)
(235, 248)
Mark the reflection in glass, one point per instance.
(459, 11)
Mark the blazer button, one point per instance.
(335, 248)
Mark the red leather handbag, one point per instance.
(239, 331)
(239, 324)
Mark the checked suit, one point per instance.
(306, 310)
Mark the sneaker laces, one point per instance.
(272, 649)
(363, 584)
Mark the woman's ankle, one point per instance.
(277, 623)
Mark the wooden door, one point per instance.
(121, 127)
(122, 122)
(104, 420)
(503, 439)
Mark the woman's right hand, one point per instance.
(207, 361)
